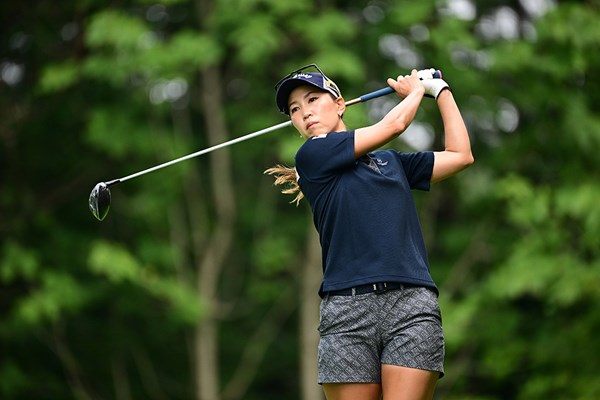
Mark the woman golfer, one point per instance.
(380, 324)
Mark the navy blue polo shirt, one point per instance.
(364, 211)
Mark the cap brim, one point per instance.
(286, 88)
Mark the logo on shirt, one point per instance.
(380, 162)
(321, 136)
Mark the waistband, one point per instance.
(377, 288)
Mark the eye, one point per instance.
(293, 110)
(312, 98)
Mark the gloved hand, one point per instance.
(433, 86)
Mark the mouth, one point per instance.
(309, 125)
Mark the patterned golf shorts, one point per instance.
(398, 327)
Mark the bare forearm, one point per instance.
(457, 154)
(401, 116)
(456, 136)
(393, 124)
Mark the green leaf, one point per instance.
(528, 205)
(256, 40)
(185, 305)
(118, 265)
(165, 2)
(186, 52)
(406, 14)
(582, 123)
(116, 29)
(106, 68)
(579, 204)
(118, 133)
(18, 262)
(325, 29)
(59, 293)
(12, 378)
(57, 77)
(114, 262)
(273, 254)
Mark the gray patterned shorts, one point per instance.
(398, 327)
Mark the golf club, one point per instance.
(99, 201)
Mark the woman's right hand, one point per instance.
(406, 84)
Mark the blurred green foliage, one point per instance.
(91, 92)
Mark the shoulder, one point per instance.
(325, 142)
(330, 137)
(324, 155)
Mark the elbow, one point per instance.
(400, 125)
(396, 121)
(468, 160)
(448, 163)
(399, 129)
(393, 129)
(463, 160)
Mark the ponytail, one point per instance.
(287, 177)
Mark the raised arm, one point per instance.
(396, 121)
(457, 154)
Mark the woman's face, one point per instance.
(314, 112)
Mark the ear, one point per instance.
(341, 106)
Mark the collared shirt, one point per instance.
(364, 211)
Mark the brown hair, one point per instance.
(288, 178)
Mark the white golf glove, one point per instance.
(433, 86)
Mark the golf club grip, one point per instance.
(385, 91)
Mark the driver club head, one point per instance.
(99, 201)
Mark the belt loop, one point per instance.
(353, 291)
(380, 287)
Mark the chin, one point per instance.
(317, 132)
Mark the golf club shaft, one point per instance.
(363, 98)
(369, 96)
(201, 152)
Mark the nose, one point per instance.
(306, 114)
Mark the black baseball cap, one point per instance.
(301, 77)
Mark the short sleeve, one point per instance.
(322, 156)
(418, 168)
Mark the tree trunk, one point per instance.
(209, 268)
(309, 317)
